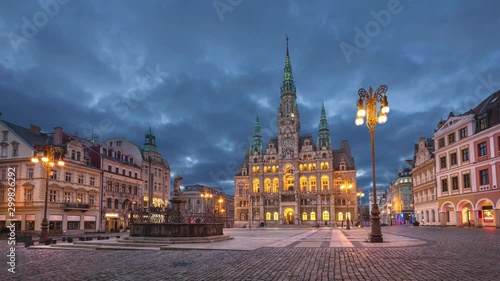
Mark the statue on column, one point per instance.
(177, 186)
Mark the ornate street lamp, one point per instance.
(206, 195)
(360, 195)
(47, 155)
(347, 186)
(371, 99)
(220, 205)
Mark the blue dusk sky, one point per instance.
(197, 72)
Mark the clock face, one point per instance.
(288, 143)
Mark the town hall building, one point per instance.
(294, 179)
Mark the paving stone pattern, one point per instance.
(445, 254)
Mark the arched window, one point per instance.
(310, 167)
(314, 167)
(312, 184)
(340, 216)
(73, 154)
(267, 185)
(304, 216)
(274, 169)
(276, 185)
(78, 156)
(108, 205)
(276, 216)
(313, 216)
(268, 216)
(116, 203)
(325, 183)
(289, 182)
(326, 216)
(119, 156)
(303, 184)
(242, 216)
(256, 186)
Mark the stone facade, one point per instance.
(294, 180)
(73, 189)
(424, 183)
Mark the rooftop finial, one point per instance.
(287, 45)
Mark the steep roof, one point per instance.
(27, 135)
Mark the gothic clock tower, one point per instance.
(288, 115)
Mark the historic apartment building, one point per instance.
(155, 172)
(424, 183)
(73, 189)
(95, 190)
(468, 167)
(120, 163)
(399, 199)
(295, 180)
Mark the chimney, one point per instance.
(35, 129)
(58, 135)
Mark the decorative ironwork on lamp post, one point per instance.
(371, 100)
(46, 154)
(347, 185)
(360, 195)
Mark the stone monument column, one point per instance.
(178, 203)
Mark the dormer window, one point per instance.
(342, 164)
(4, 135)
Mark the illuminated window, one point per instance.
(303, 184)
(340, 216)
(276, 185)
(304, 216)
(256, 186)
(268, 216)
(312, 184)
(313, 216)
(276, 216)
(325, 183)
(267, 185)
(326, 216)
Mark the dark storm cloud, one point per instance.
(197, 78)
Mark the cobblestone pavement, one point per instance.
(449, 254)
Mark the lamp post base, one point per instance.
(375, 235)
(44, 235)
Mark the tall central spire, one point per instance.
(324, 132)
(288, 86)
